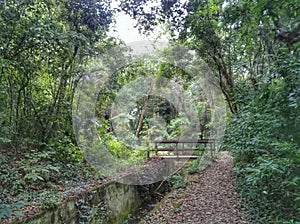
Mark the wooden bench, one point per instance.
(180, 146)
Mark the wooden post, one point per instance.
(177, 150)
(214, 147)
(211, 152)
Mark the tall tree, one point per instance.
(236, 38)
(44, 46)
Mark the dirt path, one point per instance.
(210, 198)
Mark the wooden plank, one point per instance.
(179, 157)
(165, 149)
(174, 149)
(184, 141)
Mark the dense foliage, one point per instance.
(253, 47)
(133, 108)
(264, 138)
(44, 48)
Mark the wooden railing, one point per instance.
(179, 146)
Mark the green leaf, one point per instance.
(18, 204)
(5, 211)
(18, 213)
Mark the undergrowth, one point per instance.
(264, 140)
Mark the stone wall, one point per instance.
(108, 203)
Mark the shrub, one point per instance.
(263, 138)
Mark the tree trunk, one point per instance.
(141, 118)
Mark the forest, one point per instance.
(50, 49)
